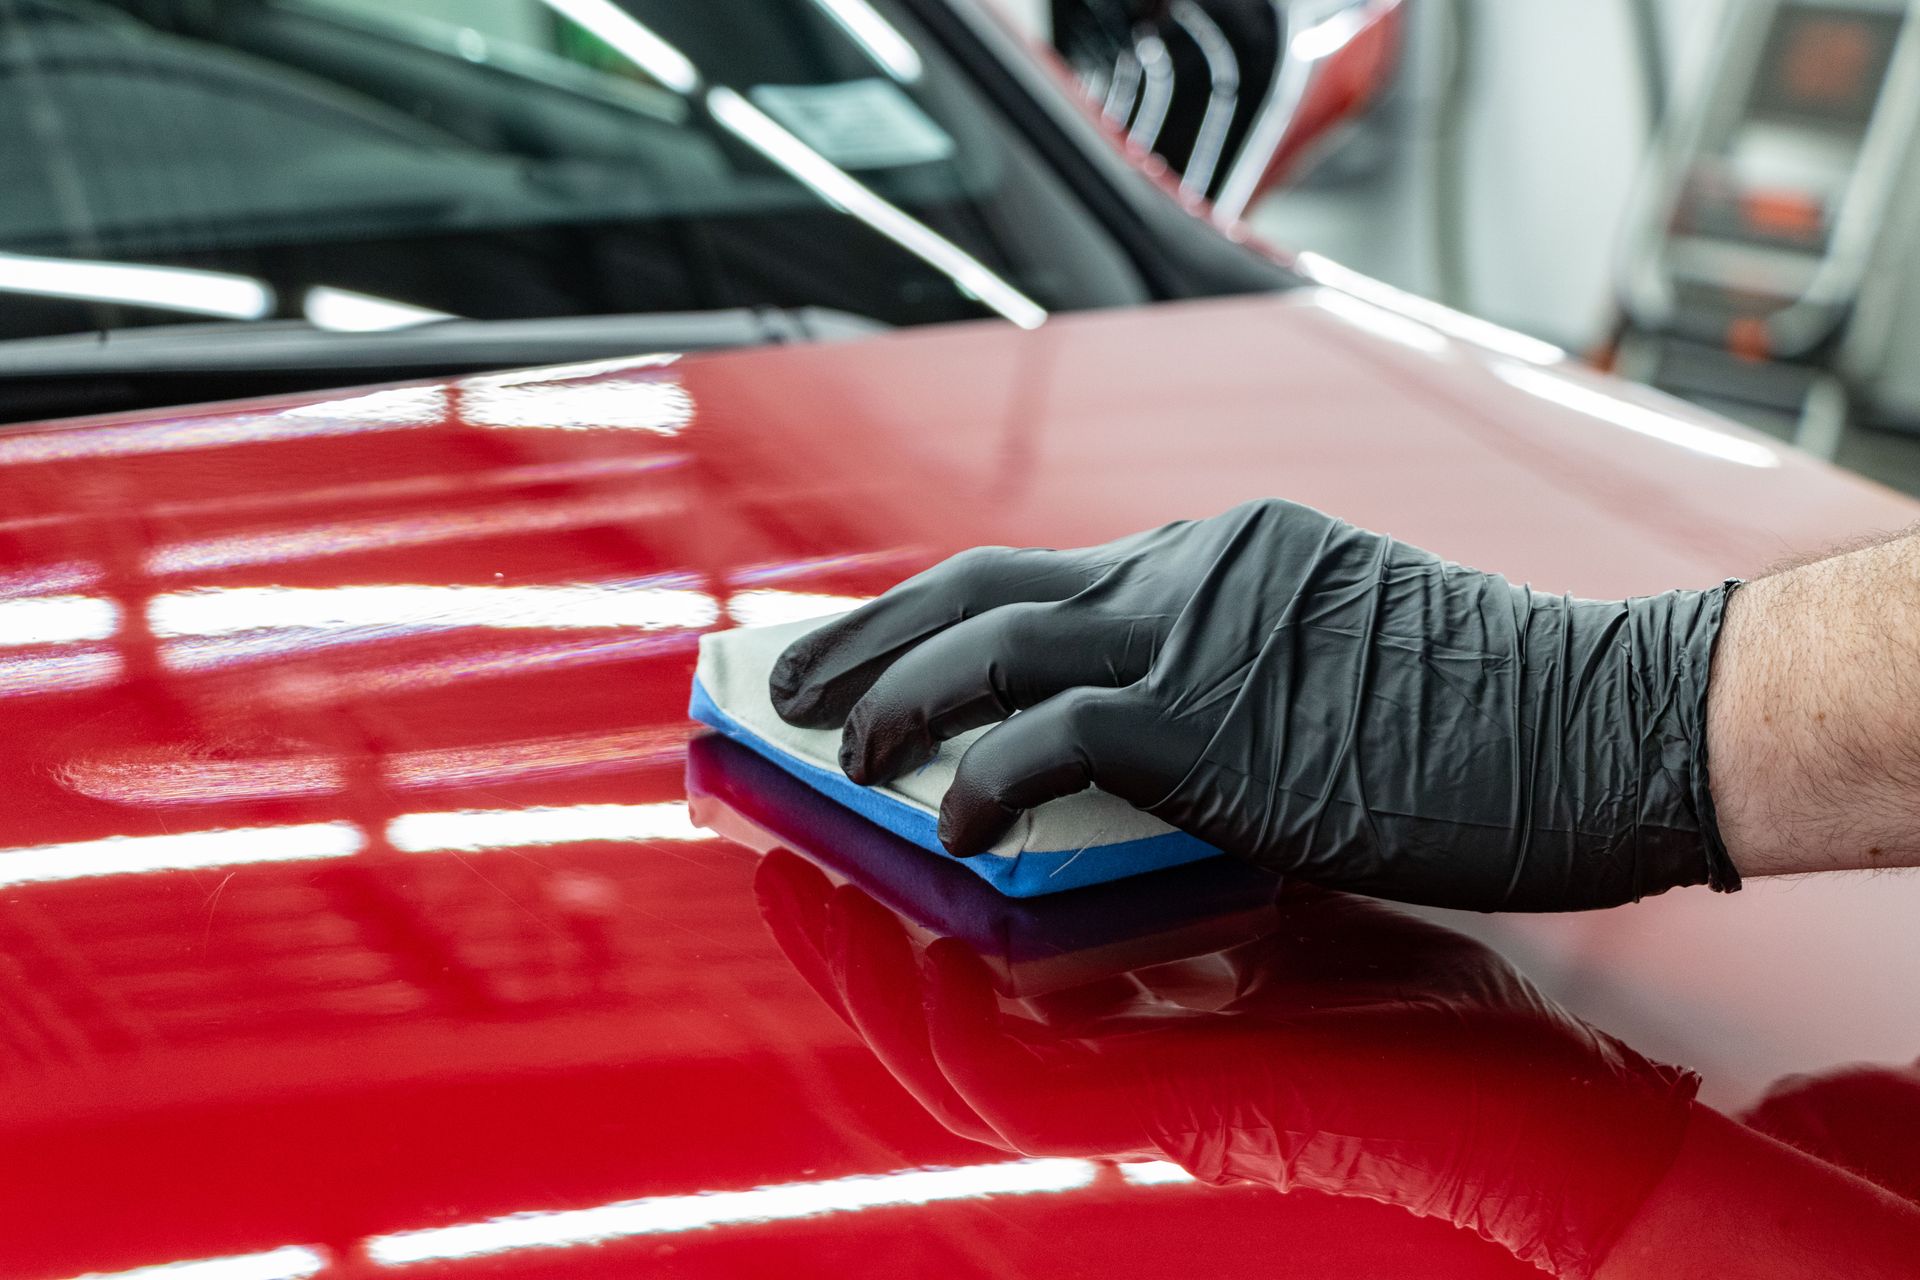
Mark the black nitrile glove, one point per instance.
(1301, 693)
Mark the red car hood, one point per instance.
(347, 884)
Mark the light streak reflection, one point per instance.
(661, 407)
(477, 830)
(1154, 1173)
(57, 620)
(345, 311)
(290, 1262)
(179, 851)
(1641, 419)
(834, 185)
(671, 1214)
(184, 289)
(657, 1215)
(767, 606)
(634, 41)
(1455, 324)
(893, 52)
(407, 608)
(1382, 323)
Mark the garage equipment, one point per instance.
(1769, 270)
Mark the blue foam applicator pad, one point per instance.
(1089, 838)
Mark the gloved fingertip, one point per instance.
(798, 697)
(787, 675)
(873, 754)
(970, 829)
(853, 756)
(799, 705)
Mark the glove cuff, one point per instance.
(1722, 875)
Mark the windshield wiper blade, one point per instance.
(438, 347)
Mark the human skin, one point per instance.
(1813, 715)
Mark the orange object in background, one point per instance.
(1829, 60)
(1784, 215)
(1750, 339)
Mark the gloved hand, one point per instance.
(1305, 694)
(1349, 1049)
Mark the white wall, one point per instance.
(1555, 130)
(1558, 128)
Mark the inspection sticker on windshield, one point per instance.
(859, 124)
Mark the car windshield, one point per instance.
(366, 163)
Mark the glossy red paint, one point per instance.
(348, 889)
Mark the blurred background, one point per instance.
(1709, 195)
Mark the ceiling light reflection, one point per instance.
(649, 604)
(293, 1262)
(57, 620)
(663, 1214)
(1330, 34)
(633, 40)
(832, 184)
(885, 45)
(477, 830)
(663, 408)
(768, 606)
(181, 851)
(546, 375)
(344, 311)
(1695, 437)
(184, 289)
(1382, 323)
(1154, 1173)
(1455, 324)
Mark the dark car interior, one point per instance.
(484, 163)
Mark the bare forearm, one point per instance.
(1813, 717)
(1739, 1206)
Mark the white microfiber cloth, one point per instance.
(1089, 838)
